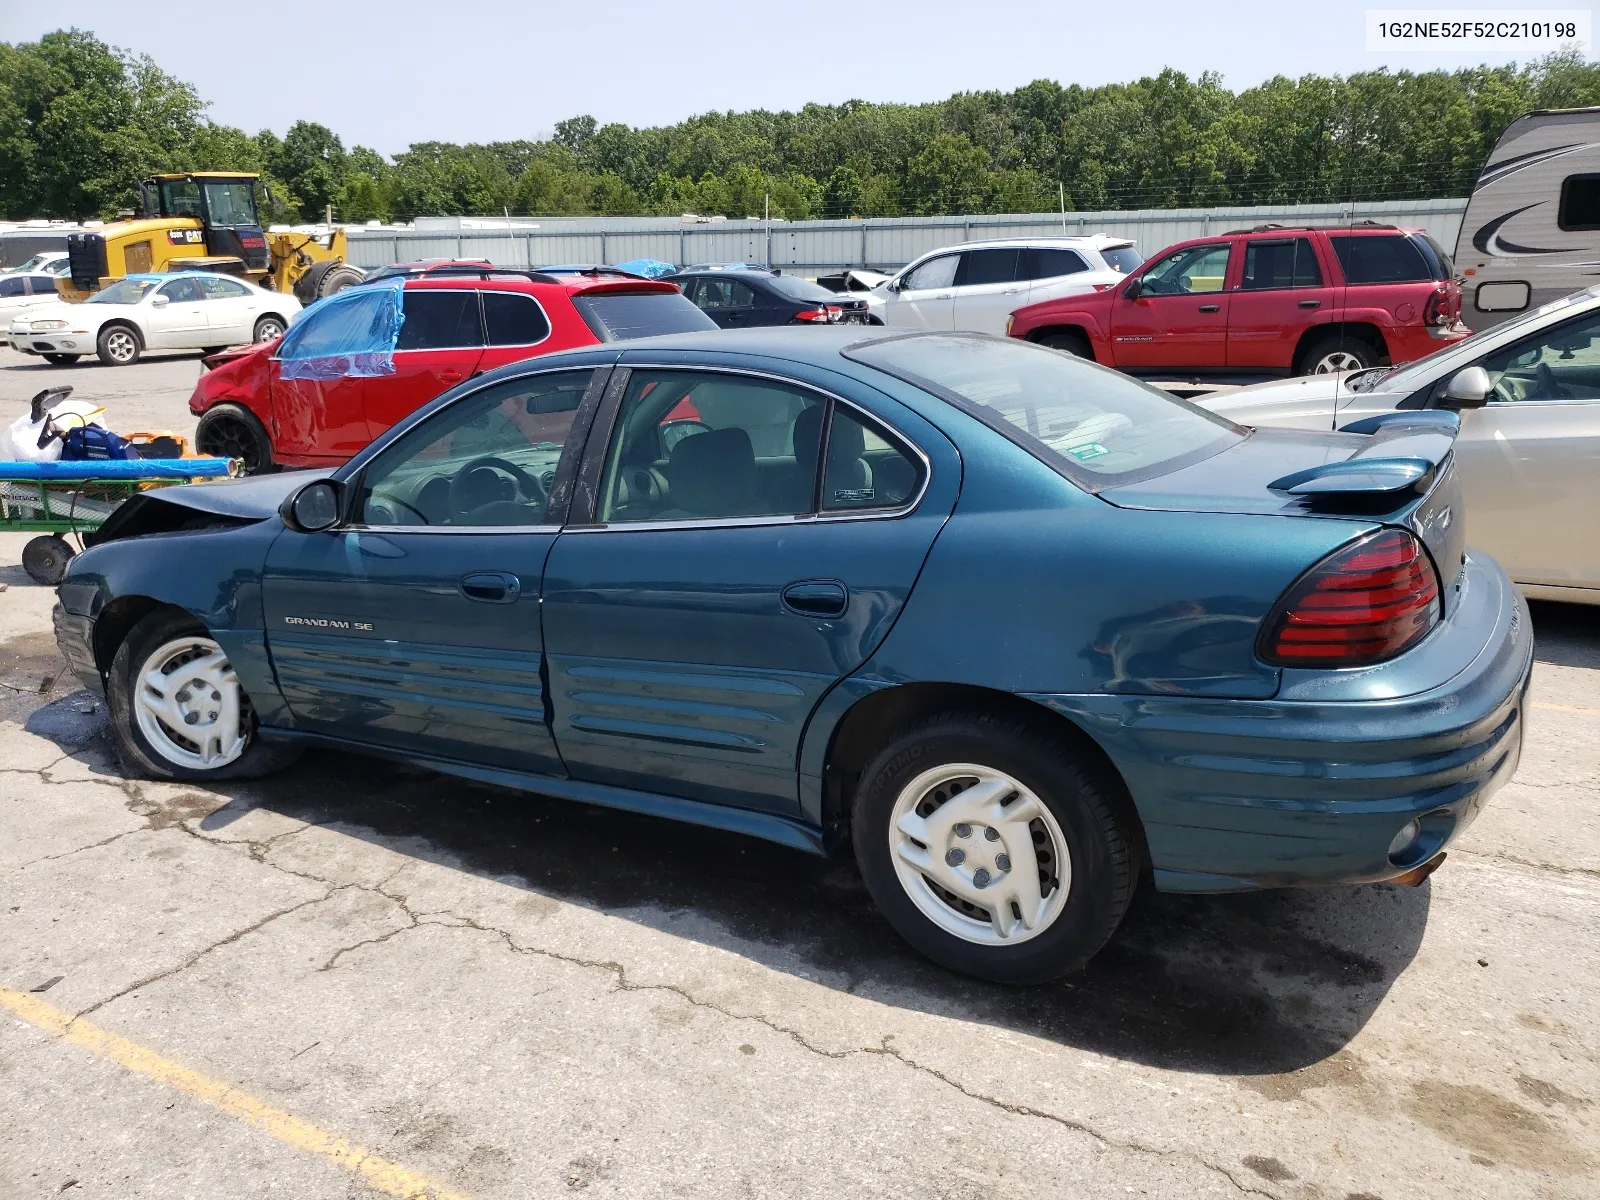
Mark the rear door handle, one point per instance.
(1211, 308)
(817, 598)
(1311, 304)
(451, 376)
(491, 587)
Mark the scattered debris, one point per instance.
(48, 984)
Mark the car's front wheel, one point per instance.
(178, 710)
(233, 431)
(994, 847)
(118, 346)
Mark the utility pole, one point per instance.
(1061, 196)
(766, 212)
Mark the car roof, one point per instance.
(163, 276)
(515, 280)
(1087, 241)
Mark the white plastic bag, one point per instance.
(22, 438)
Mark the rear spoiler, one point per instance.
(1402, 458)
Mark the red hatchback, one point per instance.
(1269, 301)
(458, 323)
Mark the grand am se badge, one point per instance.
(327, 623)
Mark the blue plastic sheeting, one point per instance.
(351, 333)
(137, 468)
(650, 268)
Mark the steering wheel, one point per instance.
(528, 485)
(1549, 387)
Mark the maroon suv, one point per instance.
(1268, 301)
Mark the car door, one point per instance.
(414, 625)
(926, 296)
(693, 619)
(441, 343)
(1530, 458)
(14, 298)
(175, 316)
(1179, 317)
(230, 310)
(727, 301)
(1279, 292)
(318, 403)
(987, 289)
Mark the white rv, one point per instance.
(1531, 232)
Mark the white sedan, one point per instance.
(1528, 392)
(188, 310)
(25, 292)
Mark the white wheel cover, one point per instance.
(979, 854)
(189, 705)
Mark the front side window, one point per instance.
(1380, 258)
(1280, 263)
(489, 459)
(1580, 202)
(935, 273)
(232, 205)
(1556, 364)
(1183, 272)
(439, 320)
(182, 291)
(979, 267)
(1097, 427)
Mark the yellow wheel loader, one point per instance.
(207, 222)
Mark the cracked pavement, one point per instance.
(522, 997)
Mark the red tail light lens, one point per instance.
(1437, 311)
(811, 314)
(1363, 604)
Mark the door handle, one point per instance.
(451, 376)
(817, 598)
(491, 587)
(1311, 304)
(1211, 308)
(1010, 291)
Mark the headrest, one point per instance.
(713, 473)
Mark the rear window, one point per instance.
(801, 289)
(1097, 427)
(1381, 258)
(613, 316)
(1122, 259)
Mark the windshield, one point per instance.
(41, 261)
(612, 316)
(1097, 427)
(231, 205)
(123, 291)
(801, 289)
(1122, 259)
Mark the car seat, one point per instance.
(713, 474)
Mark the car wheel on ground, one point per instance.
(1072, 343)
(233, 431)
(118, 346)
(1339, 352)
(178, 710)
(995, 846)
(206, 351)
(45, 558)
(268, 328)
(62, 360)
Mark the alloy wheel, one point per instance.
(121, 345)
(979, 854)
(189, 705)
(227, 438)
(267, 329)
(1335, 361)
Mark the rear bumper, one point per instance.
(1409, 342)
(1240, 794)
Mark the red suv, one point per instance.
(460, 320)
(1268, 301)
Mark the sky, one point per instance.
(385, 75)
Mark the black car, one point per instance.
(738, 299)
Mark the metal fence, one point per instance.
(815, 247)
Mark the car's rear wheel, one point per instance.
(268, 328)
(1070, 341)
(118, 346)
(994, 846)
(1340, 352)
(62, 360)
(177, 708)
(233, 431)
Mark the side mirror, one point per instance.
(1133, 290)
(1468, 388)
(159, 302)
(313, 508)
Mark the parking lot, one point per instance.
(359, 980)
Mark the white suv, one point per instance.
(978, 285)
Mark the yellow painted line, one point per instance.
(376, 1171)
(1588, 712)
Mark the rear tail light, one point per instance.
(1436, 311)
(813, 314)
(1363, 604)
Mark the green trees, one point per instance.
(81, 123)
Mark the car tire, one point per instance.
(1338, 352)
(233, 431)
(118, 346)
(62, 360)
(208, 351)
(342, 275)
(1070, 342)
(45, 558)
(268, 328)
(1081, 845)
(153, 733)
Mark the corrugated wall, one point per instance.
(815, 247)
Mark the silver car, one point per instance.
(1528, 392)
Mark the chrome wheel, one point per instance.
(979, 854)
(121, 346)
(189, 705)
(268, 328)
(1335, 361)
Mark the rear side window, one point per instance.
(1048, 263)
(11, 287)
(1280, 263)
(1580, 202)
(987, 266)
(513, 319)
(439, 321)
(1380, 258)
(613, 316)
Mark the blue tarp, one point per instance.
(352, 332)
(136, 468)
(650, 268)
